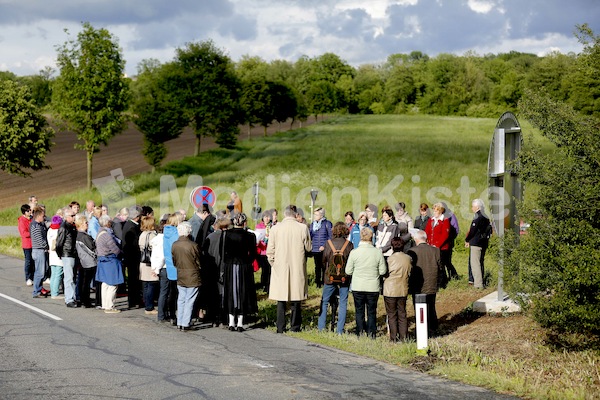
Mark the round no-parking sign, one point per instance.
(202, 195)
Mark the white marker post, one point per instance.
(421, 321)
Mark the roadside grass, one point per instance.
(8, 216)
(512, 354)
(11, 246)
(353, 160)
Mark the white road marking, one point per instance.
(261, 364)
(47, 314)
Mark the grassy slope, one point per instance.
(338, 156)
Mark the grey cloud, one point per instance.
(110, 11)
(295, 50)
(444, 27)
(537, 17)
(239, 27)
(288, 50)
(173, 33)
(43, 33)
(346, 24)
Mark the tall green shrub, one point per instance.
(557, 263)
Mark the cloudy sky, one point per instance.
(359, 31)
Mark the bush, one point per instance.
(485, 110)
(557, 263)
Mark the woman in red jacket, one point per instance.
(438, 234)
(23, 223)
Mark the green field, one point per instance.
(350, 160)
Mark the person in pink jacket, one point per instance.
(23, 224)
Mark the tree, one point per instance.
(330, 67)
(399, 88)
(557, 264)
(256, 102)
(156, 110)
(316, 83)
(227, 137)
(321, 98)
(504, 80)
(265, 101)
(7, 75)
(40, 86)
(552, 73)
(284, 101)
(347, 93)
(281, 71)
(368, 85)
(452, 83)
(210, 89)
(251, 67)
(301, 108)
(91, 92)
(24, 132)
(585, 89)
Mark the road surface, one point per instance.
(51, 351)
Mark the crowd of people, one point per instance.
(202, 268)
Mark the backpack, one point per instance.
(488, 232)
(337, 265)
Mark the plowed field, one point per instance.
(68, 165)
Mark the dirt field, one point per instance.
(68, 166)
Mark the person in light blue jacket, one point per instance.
(170, 236)
(362, 222)
(366, 264)
(93, 223)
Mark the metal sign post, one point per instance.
(313, 197)
(256, 210)
(505, 189)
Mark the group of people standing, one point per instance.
(159, 265)
(83, 252)
(394, 256)
(203, 267)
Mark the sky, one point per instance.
(359, 31)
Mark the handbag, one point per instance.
(146, 252)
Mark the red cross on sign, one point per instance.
(201, 195)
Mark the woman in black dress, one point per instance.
(239, 295)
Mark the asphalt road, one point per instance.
(59, 353)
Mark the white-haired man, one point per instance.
(131, 256)
(186, 258)
(426, 274)
(118, 222)
(477, 241)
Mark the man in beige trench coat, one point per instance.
(289, 241)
